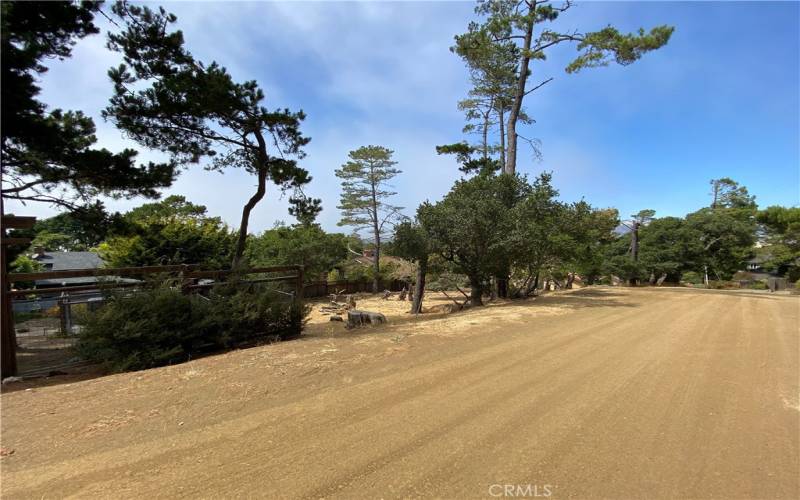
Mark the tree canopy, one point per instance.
(500, 52)
(365, 193)
(167, 100)
(308, 245)
(781, 230)
(50, 156)
(173, 231)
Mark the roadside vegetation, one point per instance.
(160, 325)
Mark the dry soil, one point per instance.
(597, 393)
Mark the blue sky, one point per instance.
(721, 100)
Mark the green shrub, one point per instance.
(723, 285)
(758, 285)
(245, 313)
(162, 326)
(446, 281)
(145, 329)
(692, 277)
(23, 316)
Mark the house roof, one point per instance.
(62, 261)
(760, 259)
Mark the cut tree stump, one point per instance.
(361, 318)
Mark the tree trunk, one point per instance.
(511, 163)
(502, 286)
(377, 263)
(634, 250)
(377, 232)
(476, 292)
(715, 192)
(502, 136)
(419, 288)
(486, 133)
(248, 207)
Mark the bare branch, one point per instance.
(540, 85)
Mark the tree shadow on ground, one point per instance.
(572, 300)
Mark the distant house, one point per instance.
(755, 265)
(62, 261)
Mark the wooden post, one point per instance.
(298, 293)
(8, 340)
(65, 314)
(184, 279)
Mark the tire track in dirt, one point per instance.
(255, 423)
(547, 398)
(558, 406)
(606, 401)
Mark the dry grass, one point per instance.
(437, 308)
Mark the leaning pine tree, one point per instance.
(364, 194)
(166, 100)
(524, 29)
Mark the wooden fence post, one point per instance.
(8, 341)
(65, 313)
(184, 279)
(299, 285)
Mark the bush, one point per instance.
(162, 326)
(723, 285)
(758, 285)
(692, 277)
(249, 313)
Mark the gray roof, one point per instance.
(760, 259)
(61, 261)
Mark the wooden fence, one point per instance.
(325, 288)
(187, 276)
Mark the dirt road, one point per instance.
(597, 393)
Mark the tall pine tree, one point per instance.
(364, 193)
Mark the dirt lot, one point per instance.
(596, 393)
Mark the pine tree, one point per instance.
(519, 27)
(364, 194)
(167, 100)
(49, 156)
